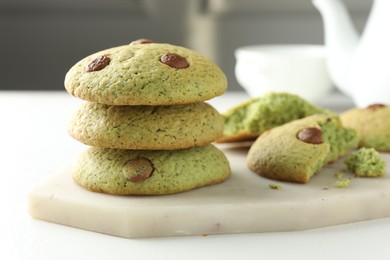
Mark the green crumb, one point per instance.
(342, 183)
(275, 186)
(366, 162)
(339, 175)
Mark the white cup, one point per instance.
(297, 69)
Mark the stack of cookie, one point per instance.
(146, 121)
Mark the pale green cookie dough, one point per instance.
(279, 154)
(255, 116)
(366, 162)
(136, 172)
(372, 124)
(146, 127)
(136, 76)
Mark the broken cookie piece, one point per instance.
(280, 154)
(250, 119)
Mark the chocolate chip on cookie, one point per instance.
(99, 63)
(311, 135)
(174, 60)
(138, 170)
(141, 41)
(375, 106)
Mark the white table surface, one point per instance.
(34, 144)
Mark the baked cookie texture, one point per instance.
(250, 119)
(146, 127)
(366, 162)
(373, 125)
(146, 74)
(297, 150)
(137, 172)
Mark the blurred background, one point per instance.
(41, 39)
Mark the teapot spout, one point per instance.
(341, 39)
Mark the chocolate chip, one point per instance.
(375, 106)
(99, 63)
(141, 41)
(311, 135)
(174, 60)
(138, 169)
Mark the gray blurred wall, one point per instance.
(40, 40)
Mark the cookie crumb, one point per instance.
(366, 162)
(342, 183)
(275, 186)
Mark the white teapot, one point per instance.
(358, 67)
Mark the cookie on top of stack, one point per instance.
(146, 120)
